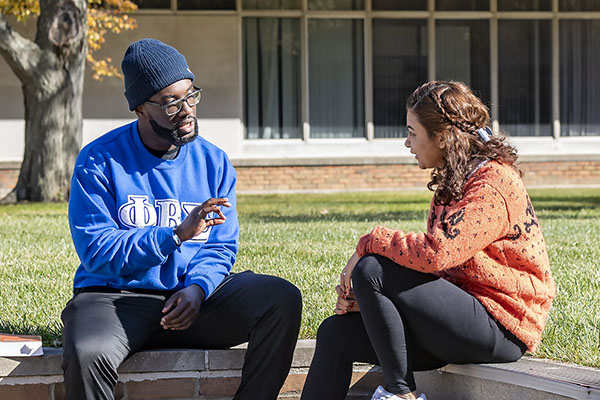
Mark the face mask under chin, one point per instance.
(171, 135)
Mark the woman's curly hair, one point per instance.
(451, 111)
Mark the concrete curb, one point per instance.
(187, 374)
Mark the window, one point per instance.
(579, 78)
(463, 54)
(520, 5)
(336, 78)
(524, 77)
(336, 4)
(401, 5)
(206, 4)
(272, 78)
(271, 4)
(316, 79)
(399, 66)
(143, 4)
(579, 5)
(187, 4)
(462, 5)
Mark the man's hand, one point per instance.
(345, 303)
(196, 221)
(182, 308)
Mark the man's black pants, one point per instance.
(102, 329)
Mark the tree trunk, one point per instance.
(53, 131)
(52, 91)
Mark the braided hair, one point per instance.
(451, 111)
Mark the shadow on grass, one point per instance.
(558, 207)
(336, 217)
(297, 209)
(545, 211)
(547, 217)
(343, 197)
(585, 200)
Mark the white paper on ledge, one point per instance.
(20, 345)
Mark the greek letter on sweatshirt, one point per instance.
(125, 202)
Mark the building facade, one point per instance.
(321, 85)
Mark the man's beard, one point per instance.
(171, 135)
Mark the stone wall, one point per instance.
(168, 374)
(186, 374)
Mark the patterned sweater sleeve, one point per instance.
(455, 233)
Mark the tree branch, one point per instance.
(21, 54)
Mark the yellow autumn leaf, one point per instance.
(104, 16)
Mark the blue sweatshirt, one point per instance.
(125, 203)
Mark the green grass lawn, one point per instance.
(307, 239)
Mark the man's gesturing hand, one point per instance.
(196, 221)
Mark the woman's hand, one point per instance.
(345, 304)
(346, 274)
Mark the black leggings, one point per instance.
(409, 321)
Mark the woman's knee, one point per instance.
(368, 270)
(377, 270)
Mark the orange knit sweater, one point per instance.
(489, 243)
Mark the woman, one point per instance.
(475, 288)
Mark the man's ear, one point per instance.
(139, 111)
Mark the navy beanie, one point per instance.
(149, 66)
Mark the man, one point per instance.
(153, 220)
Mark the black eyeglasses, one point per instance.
(174, 107)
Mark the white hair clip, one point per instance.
(485, 133)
